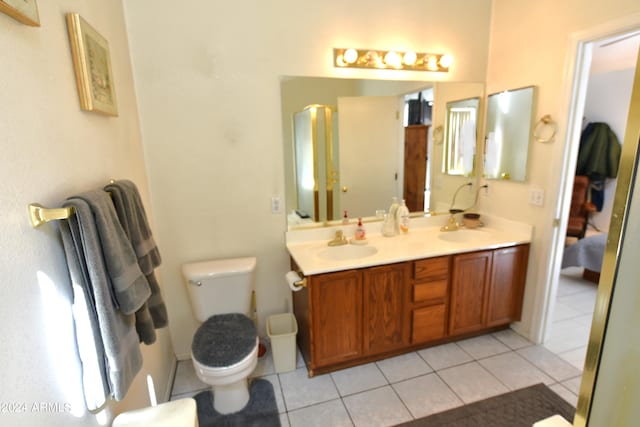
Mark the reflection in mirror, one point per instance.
(460, 137)
(509, 122)
(315, 148)
(370, 122)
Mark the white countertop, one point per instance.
(424, 240)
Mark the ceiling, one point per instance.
(615, 53)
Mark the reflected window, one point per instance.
(460, 137)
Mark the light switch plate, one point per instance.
(536, 196)
(276, 205)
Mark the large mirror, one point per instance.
(509, 123)
(349, 144)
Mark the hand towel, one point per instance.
(133, 218)
(91, 244)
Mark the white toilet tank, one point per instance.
(220, 286)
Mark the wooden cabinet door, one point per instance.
(508, 276)
(415, 166)
(386, 315)
(469, 284)
(336, 312)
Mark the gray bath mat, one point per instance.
(520, 408)
(261, 411)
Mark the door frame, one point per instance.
(575, 90)
(573, 101)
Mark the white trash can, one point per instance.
(282, 330)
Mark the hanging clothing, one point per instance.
(598, 158)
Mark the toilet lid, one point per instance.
(224, 340)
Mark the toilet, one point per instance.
(225, 346)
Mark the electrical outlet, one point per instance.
(276, 206)
(536, 196)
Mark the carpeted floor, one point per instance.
(518, 408)
(260, 411)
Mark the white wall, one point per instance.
(530, 41)
(608, 101)
(208, 80)
(50, 151)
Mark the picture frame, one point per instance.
(25, 11)
(92, 65)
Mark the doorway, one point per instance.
(608, 92)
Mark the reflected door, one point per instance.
(370, 153)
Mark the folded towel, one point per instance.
(133, 218)
(129, 285)
(99, 258)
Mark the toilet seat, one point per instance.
(224, 341)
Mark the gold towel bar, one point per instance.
(39, 215)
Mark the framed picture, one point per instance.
(92, 66)
(25, 11)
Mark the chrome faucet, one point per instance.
(339, 239)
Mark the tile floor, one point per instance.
(420, 383)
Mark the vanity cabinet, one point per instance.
(469, 287)
(356, 316)
(487, 288)
(429, 299)
(506, 290)
(336, 317)
(386, 323)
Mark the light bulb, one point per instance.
(432, 63)
(392, 59)
(340, 62)
(410, 58)
(350, 56)
(446, 60)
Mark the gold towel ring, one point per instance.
(543, 126)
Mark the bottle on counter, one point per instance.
(361, 235)
(403, 217)
(345, 218)
(392, 217)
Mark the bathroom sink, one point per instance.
(346, 252)
(463, 236)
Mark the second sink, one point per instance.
(346, 252)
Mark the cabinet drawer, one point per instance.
(430, 291)
(429, 323)
(431, 269)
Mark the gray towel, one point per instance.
(133, 218)
(91, 242)
(129, 285)
(87, 330)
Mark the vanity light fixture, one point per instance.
(391, 60)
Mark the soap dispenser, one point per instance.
(345, 218)
(360, 237)
(403, 217)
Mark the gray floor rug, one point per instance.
(518, 408)
(260, 411)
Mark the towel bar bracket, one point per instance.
(39, 215)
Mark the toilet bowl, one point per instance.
(224, 349)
